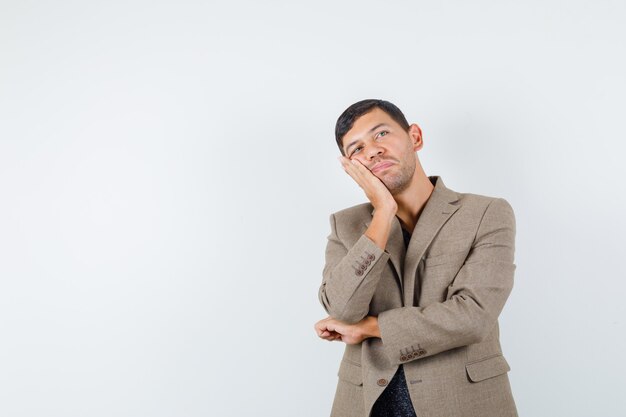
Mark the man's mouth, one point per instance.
(381, 166)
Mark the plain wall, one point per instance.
(167, 171)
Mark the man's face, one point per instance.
(377, 139)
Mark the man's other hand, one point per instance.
(332, 329)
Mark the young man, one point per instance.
(414, 281)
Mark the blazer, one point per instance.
(437, 304)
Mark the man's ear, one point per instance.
(416, 136)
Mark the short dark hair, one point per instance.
(358, 109)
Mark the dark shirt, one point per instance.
(395, 400)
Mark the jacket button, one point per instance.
(370, 257)
(359, 272)
(403, 358)
(363, 267)
(382, 382)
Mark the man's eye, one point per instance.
(356, 150)
(383, 133)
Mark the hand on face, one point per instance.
(375, 190)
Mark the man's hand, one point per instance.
(380, 197)
(375, 190)
(332, 329)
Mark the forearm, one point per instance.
(380, 227)
(348, 287)
(350, 277)
(463, 319)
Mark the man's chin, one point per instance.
(396, 188)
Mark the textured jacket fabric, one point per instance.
(437, 303)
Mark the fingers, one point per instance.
(356, 170)
(374, 188)
(325, 329)
(350, 167)
(330, 336)
(320, 326)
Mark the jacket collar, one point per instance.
(440, 193)
(437, 210)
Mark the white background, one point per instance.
(167, 170)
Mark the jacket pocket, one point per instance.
(350, 372)
(445, 258)
(487, 368)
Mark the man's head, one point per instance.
(358, 109)
(376, 132)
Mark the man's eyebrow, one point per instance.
(370, 131)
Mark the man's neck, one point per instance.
(412, 200)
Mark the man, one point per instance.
(414, 281)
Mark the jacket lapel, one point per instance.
(436, 212)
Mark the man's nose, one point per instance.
(374, 150)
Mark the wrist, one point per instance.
(388, 211)
(372, 330)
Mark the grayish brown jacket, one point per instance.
(437, 304)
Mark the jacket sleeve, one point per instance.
(350, 276)
(473, 302)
